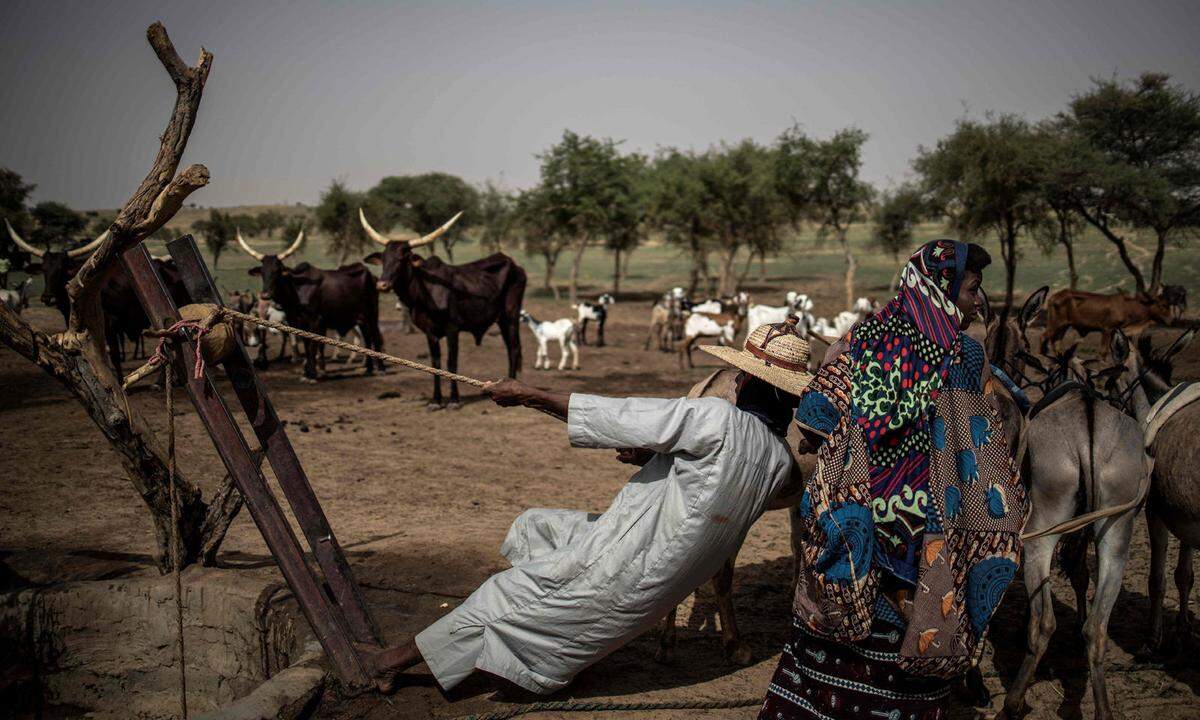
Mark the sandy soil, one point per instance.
(422, 501)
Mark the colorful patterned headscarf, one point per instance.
(915, 458)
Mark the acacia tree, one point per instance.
(337, 216)
(986, 177)
(1135, 164)
(78, 358)
(818, 180)
(893, 220)
(675, 205)
(497, 217)
(746, 211)
(585, 184)
(1061, 158)
(269, 221)
(532, 218)
(424, 202)
(217, 231)
(56, 223)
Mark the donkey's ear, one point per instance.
(1180, 343)
(1069, 354)
(1033, 304)
(1032, 361)
(1119, 347)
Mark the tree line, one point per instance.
(1122, 159)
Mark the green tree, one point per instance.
(986, 177)
(497, 217)
(1063, 157)
(245, 222)
(818, 180)
(14, 192)
(337, 216)
(424, 202)
(746, 210)
(587, 186)
(893, 221)
(1135, 164)
(217, 231)
(268, 221)
(676, 205)
(57, 223)
(532, 220)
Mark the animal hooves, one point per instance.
(307, 379)
(433, 407)
(454, 406)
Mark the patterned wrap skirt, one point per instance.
(828, 680)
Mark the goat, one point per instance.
(17, 300)
(846, 319)
(666, 320)
(597, 311)
(722, 326)
(563, 331)
(797, 304)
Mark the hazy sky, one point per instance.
(302, 92)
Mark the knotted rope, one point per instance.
(606, 706)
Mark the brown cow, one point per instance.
(1087, 312)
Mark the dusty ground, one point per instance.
(422, 501)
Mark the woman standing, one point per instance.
(911, 522)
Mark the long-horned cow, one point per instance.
(57, 267)
(317, 300)
(448, 299)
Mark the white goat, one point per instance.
(597, 311)
(722, 326)
(17, 300)
(797, 304)
(844, 320)
(561, 330)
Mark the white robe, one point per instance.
(582, 585)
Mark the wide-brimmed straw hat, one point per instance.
(774, 353)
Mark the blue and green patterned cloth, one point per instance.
(915, 500)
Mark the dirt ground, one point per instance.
(421, 501)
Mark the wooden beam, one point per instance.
(280, 453)
(323, 616)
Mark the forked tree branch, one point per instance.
(160, 194)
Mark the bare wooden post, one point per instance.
(323, 615)
(280, 453)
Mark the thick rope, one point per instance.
(380, 356)
(606, 706)
(175, 540)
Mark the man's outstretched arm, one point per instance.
(514, 393)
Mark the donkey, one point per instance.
(1174, 503)
(1082, 453)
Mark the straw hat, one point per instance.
(774, 353)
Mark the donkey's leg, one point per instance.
(1159, 538)
(736, 650)
(1112, 552)
(1038, 554)
(1183, 583)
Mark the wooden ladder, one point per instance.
(332, 601)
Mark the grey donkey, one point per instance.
(1083, 453)
(1174, 504)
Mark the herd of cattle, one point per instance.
(1086, 444)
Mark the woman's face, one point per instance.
(968, 298)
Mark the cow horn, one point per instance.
(295, 245)
(21, 243)
(89, 248)
(249, 250)
(371, 232)
(436, 233)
